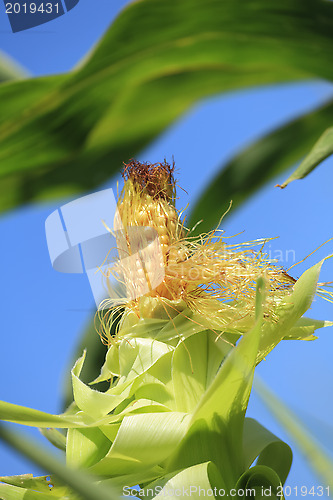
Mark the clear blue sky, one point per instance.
(43, 312)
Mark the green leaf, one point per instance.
(257, 164)
(316, 457)
(217, 422)
(320, 151)
(259, 482)
(196, 481)
(28, 416)
(231, 386)
(143, 441)
(272, 452)
(155, 61)
(157, 385)
(85, 447)
(96, 352)
(195, 364)
(94, 403)
(77, 481)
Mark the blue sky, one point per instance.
(43, 312)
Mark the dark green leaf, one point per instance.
(156, 60)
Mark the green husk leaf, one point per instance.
(85, 447)
(194, 481)
(195, 364)
(132, 357)
(55, 437)
(143, 441)
(255, 479)
(94, 403)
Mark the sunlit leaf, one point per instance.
(272, 452)
(290, 311)
(217, 421)
(196, 481)
(258, 480)
(195, 364)
(85, 447)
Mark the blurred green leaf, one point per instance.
(10, 70)
(194, 367)
(316, 457)
(85, 447)
(79, 482)
(154, 62)
(320, 151)
(96, 352)
(257, 164)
